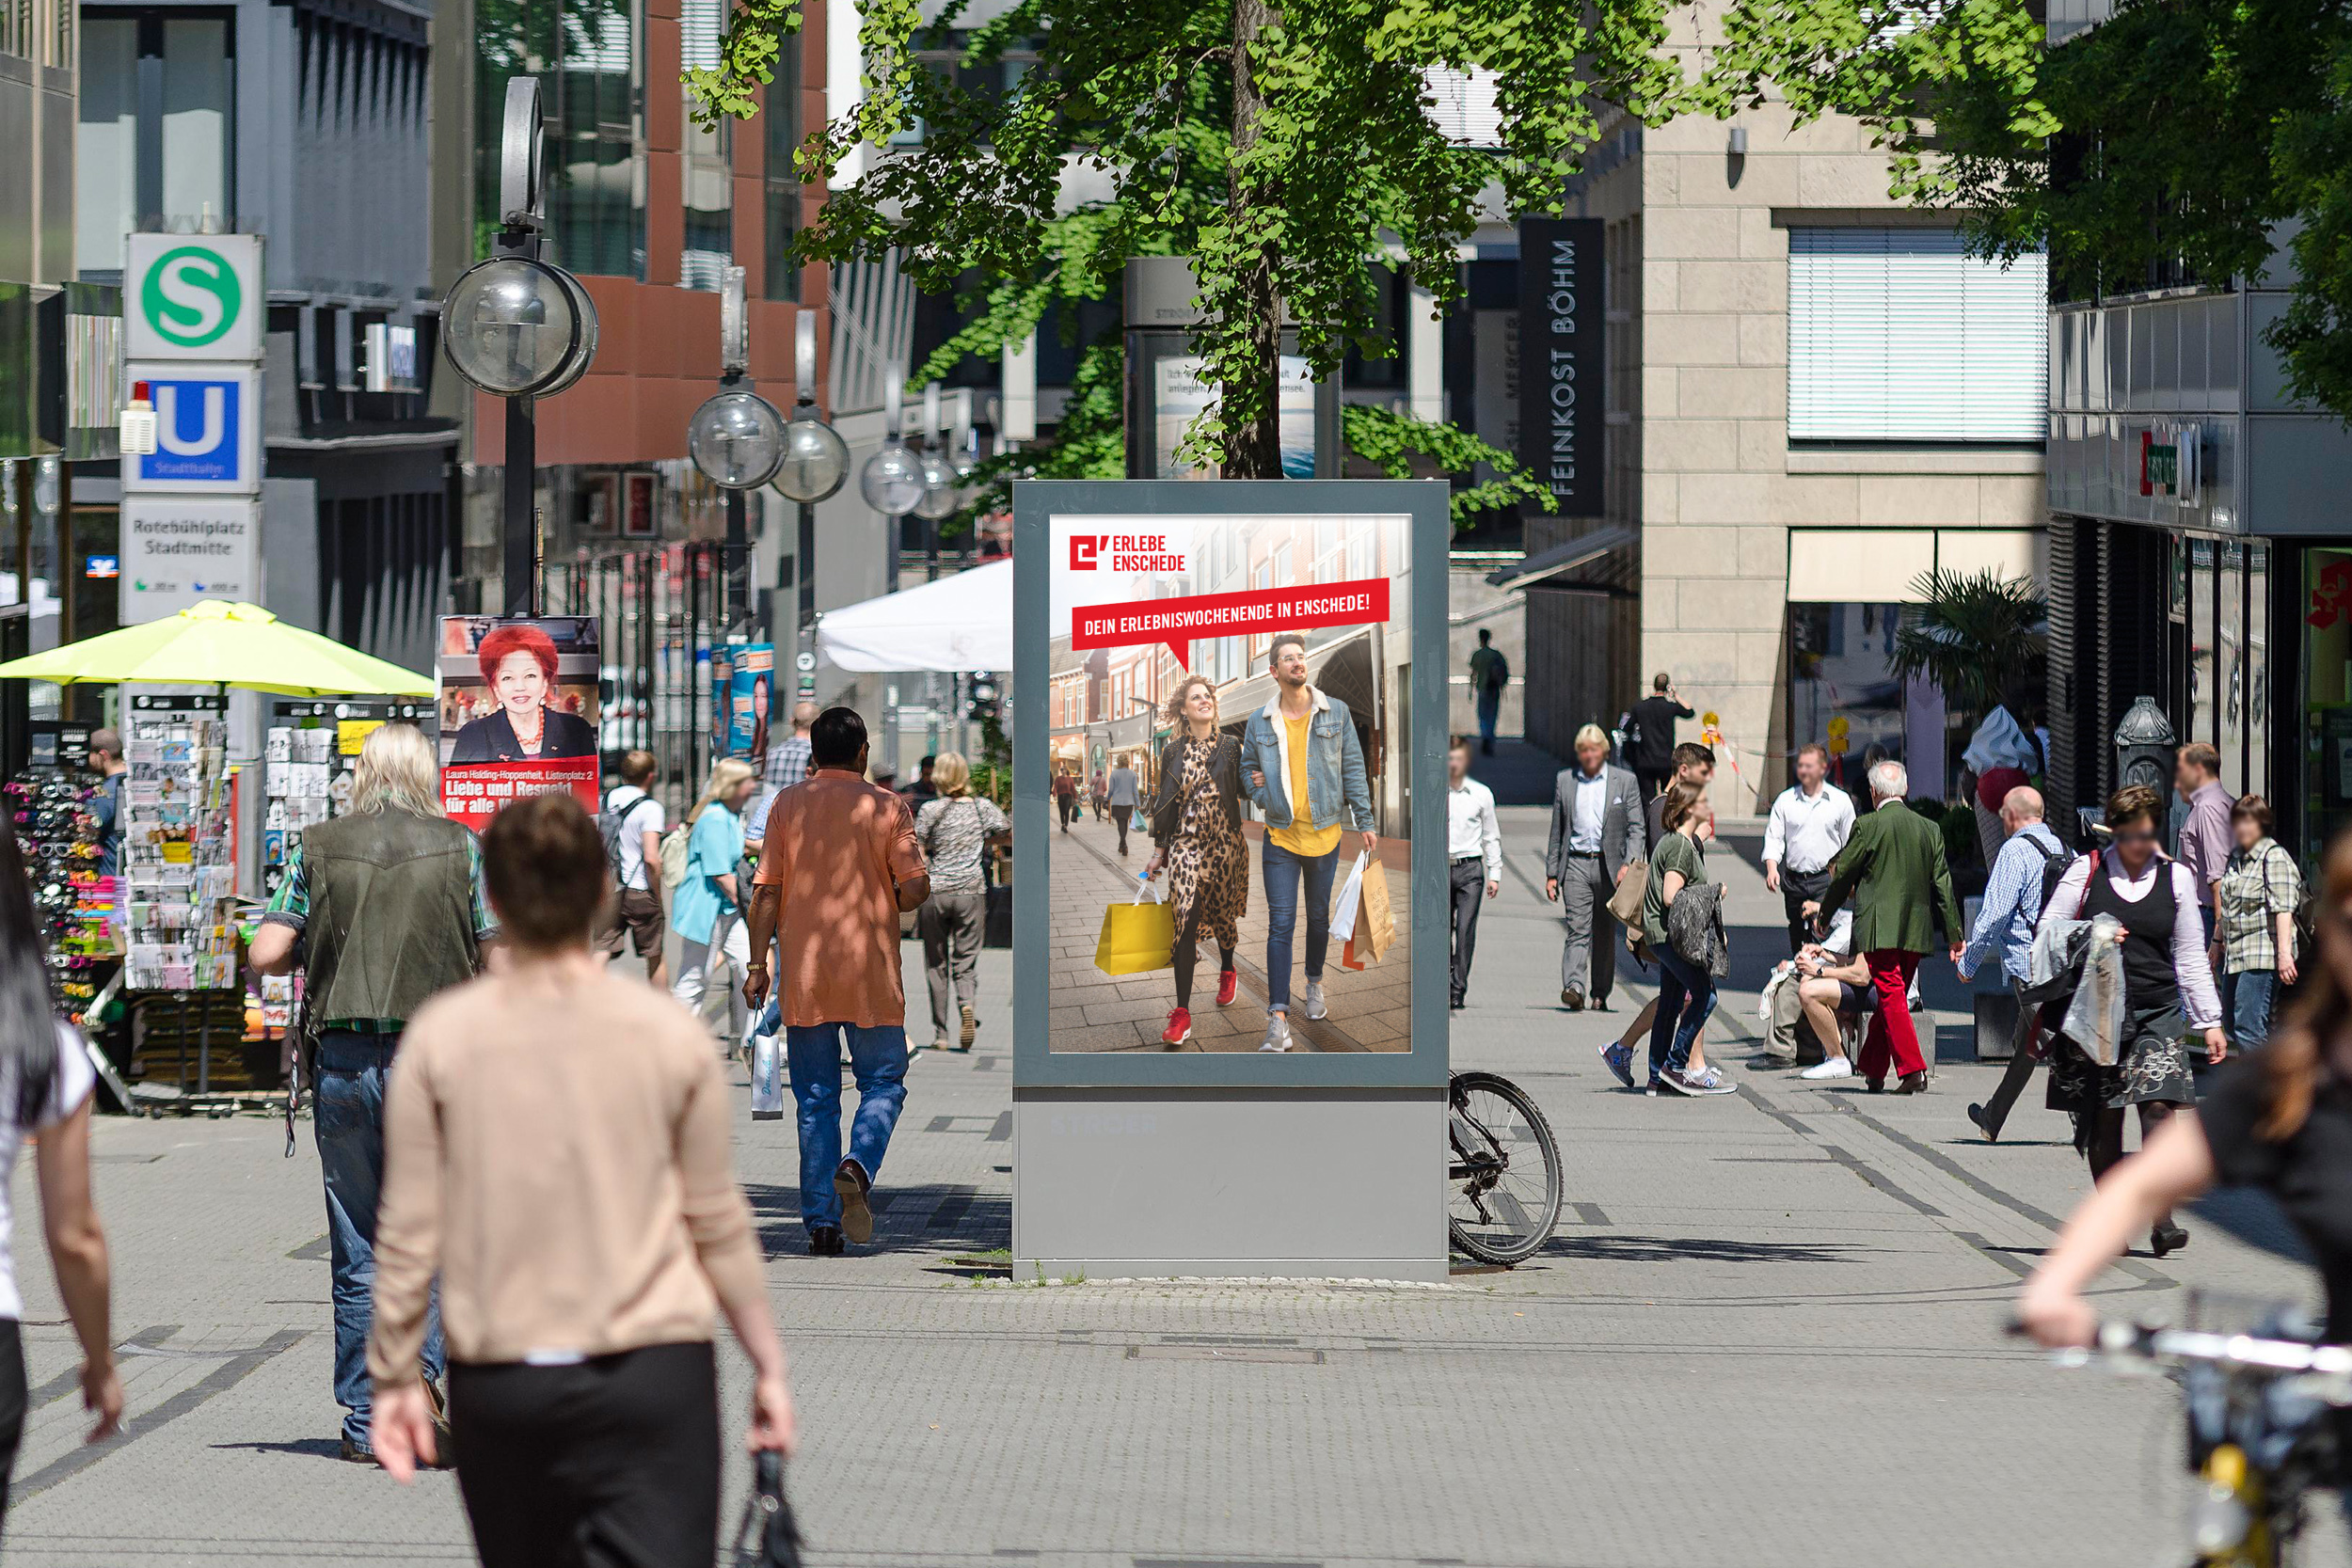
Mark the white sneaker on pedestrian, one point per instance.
(1833, 1066)
(1315, 1008)
(1278, 1032)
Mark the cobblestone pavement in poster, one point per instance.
(1370, 1007)
(1766, 1333)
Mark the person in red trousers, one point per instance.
(1894, 869)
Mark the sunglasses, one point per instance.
(2146, 835)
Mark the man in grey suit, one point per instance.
(1595, 833)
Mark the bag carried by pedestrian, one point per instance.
(1695, 929)
(1624, 899)
(1375, 925)
(611, 824)
(1137, 938)
(1343, 903)
(674, 847)
(768, 1537)
(768, 1066)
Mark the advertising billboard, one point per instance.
(1248, 673)
(751, 697)
(519, 711)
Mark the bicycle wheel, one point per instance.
(1503, 1180)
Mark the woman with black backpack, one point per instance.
(2167, 990)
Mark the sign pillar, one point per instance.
(1564, 386)
(194, 308)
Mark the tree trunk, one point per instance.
(1252, 408)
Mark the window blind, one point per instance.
(1896, 335)
(1464, 107)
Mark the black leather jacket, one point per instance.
(1167, 803)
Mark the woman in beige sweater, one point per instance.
(556, 1146)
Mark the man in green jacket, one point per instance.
(1896, 860)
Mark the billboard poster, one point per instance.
(519, 711)
(1252, 668)
(750, 697)
(1180, 396)
(721, 690)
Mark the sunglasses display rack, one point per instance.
(58, 838)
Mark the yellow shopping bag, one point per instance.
(1137, 938)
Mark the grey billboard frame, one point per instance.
(1430, 533)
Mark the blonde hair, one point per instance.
(725, 775)
(396, 768)
(950, 774)
(1593, 733)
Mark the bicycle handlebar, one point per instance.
(2146, 1342)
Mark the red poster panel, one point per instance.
(519, 711)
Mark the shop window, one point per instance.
(1843, 695)
(2229, 664)
(2326, 622)
(780, 116)
(2257, 681)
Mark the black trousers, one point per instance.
(608, 1463)
(1469, 879)
(1653, 780)
(12, 1395)
(1795, 892)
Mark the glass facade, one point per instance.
(592, 73)
(153, 148)
(705, 179)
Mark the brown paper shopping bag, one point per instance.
(1375, 926)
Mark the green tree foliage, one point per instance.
(1285, 149)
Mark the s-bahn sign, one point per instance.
(193, 296)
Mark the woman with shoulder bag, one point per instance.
(2168, 989)
(1195, 823)
(1686, 991)
(955, 830)
(2253, 940)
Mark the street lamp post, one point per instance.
(816, 462)
(892, 479)
(737, 440)
(520, 328)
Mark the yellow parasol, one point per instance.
(215, 643)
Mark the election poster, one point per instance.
(1242, 680)
(519, 711)
(751, 696)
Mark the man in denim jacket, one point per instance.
(1304, 764)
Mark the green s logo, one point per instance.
(191, 297)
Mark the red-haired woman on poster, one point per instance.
(518, 665)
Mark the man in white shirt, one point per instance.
(1473, 847)
(1596, 835)
(635, 852)
(1809, 825)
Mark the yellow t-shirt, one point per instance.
(1299, 838)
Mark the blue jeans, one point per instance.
(877, 1057)
(1282, 872)
(348, 1118)
(1489, 706)
(2247, 998)
(1683, 990)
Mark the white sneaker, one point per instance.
(1831, 1067)
(1315, 1008)
(1278, 1032)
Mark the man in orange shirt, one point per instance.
(839, 861)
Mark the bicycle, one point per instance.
(1502, 1205)
(2260, 1436)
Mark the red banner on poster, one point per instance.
(473, 792)
(1180, 622)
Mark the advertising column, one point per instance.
(1238, 990)
(193, 308)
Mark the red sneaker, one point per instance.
(1179, 1028)
(1227, 983)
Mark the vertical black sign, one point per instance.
(1564, 396)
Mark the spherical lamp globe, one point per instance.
(512, 326)
(815, 459)
(735, 439)
(892, 479)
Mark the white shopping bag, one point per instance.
(1343, 907)
(767, 1078)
